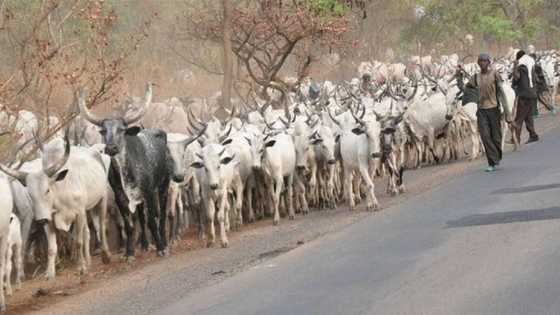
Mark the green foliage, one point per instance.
(499, 28)
(498, 21)
(328, 8)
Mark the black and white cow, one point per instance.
(140, 174)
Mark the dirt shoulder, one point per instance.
(149, 283)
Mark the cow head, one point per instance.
(259, 146)
(324, 143)
(211, 159)
(42, 184)
(371, 129)
(389, 126)
(177, 151)
(114, 130)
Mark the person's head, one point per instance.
(366, 77)
(484, 61)
(534, 56)
(519, 54)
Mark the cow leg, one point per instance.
(249, 198)
(277, 191)
(162, 197)
(222, 217)
(52, 249)
(80, 226)
(290, 203)
(140, 211)
(172, 208)
(105, 254)
(372, 204)
(302, 193)
(3, 249)
(86, 247)
(8, 270)
(210, 214)
(20, 273)
(152, 213)
(239, 201)
(348, 189)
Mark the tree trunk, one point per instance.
(228, 60)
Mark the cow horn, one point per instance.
(147, 101)
(21, 176)
(52, 170)
(333, 118)
(85, 111)
(222, 152)
(287, 124)
(410, 98)
(225, 135)
(359, 120)
(190, 140)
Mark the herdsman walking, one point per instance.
(486, 90)
(524, 84)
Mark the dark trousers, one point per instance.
(524, 113)
(490, 130)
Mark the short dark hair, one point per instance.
(519, 54)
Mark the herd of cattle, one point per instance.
(320, 145)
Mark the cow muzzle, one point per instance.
(111, 150)
(376, 155)
(213, 186)
(331, 162)
(42, 222)
(178, 178)
(448, 117)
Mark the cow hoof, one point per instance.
(128, 259)
(8, 291)
(251, 219)
(2, 308)
(209, 244)
(49, 276)
(275, 222)
(83, 271)
(105, 258)
(163, 253)
(225, 244)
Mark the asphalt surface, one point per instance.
(485, 243)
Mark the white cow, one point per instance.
(359, 143)
(6, 205)
(215, 173)
(61, 193)
(275, 155)
(14, 247)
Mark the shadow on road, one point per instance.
(517, 190)
(506, 217)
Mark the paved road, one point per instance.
(482, 244)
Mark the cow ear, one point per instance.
(226, 160)
(270, 143)
(227, 141)
(337, 138)
(316, 141)
(61, 175)
(132, 131)
(357, 131)
(197, 165)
